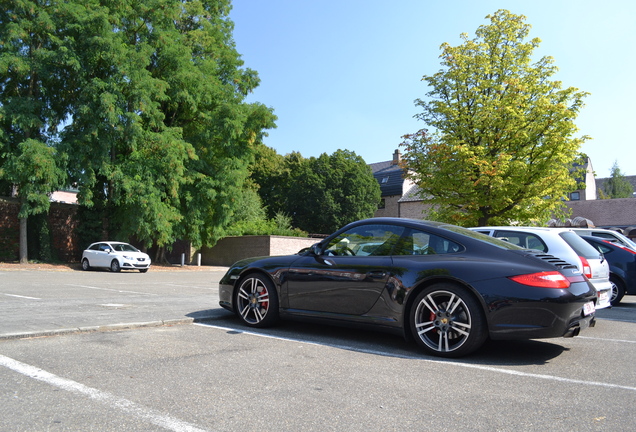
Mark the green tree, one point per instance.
(502, 140)
(160, 137)
(32, 105)
(330, 191)
(617, 186)
(274, 174)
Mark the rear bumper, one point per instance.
(604, 293)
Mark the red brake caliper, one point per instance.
(432, 318)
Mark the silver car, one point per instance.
(605, 234)
(115, 256)
(565, 244)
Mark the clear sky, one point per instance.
(343, 74)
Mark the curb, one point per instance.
(103, 328)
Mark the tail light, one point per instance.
(551, 279)
(587, 269)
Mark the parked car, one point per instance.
(622, 262)
(447, 287)
(611, 235)
(115, 256)
(565, 244)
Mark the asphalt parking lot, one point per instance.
(98, 351)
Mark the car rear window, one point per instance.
(482, 237)
(580, 246)
(522, 239)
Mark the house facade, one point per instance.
(400, 198)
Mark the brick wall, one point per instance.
(231, 249)
(9, 230)
(62, 223)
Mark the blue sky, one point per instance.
(343, 74)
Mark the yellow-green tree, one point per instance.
(502, 139)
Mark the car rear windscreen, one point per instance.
(580, 246)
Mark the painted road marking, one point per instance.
(413, 357)
(24, 297)
(129, 407)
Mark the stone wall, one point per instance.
(231, 249)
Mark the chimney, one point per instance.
(397, 157)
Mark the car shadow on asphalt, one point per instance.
(492, 353)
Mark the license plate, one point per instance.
(603, 296)
(588, 308)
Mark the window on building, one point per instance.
(575, 196)
(382, 204)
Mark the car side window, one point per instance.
(103, 247)
(602, 248)
(604, 236)
(418, 242)
(523, 239)
(365, 240)
(94, 247)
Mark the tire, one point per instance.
(618, 290)
(256, 301)
(86, 265)
(143, 270)
(447, 321)
(114, 266)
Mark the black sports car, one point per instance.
(622, 263)
(447, 287)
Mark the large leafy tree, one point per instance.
(32, 106)
(332, 190)
(319, 194)
(502, 131)
(160, 137)
(617, 186)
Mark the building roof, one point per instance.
(606, 212)
(390, 177)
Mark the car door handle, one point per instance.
(377, 274)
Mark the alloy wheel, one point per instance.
(253, 300)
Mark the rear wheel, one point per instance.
(618, 290)
(114, 266)
(448, 321)
(85, 265)
(257, 301)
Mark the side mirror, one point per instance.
(108, 250)
(315, 249)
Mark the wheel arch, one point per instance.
(415, 291)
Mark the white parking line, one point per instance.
(24, 297)
(113, 401)
(446, 362)
(110, 289)
(606, 339)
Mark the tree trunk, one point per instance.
(24, 254)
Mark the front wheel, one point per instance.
(114, 266)
(257, 301)
(447, 321)
(143, 270)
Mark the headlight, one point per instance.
(128, 258)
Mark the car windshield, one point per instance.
(482, 237)
(124, 247)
